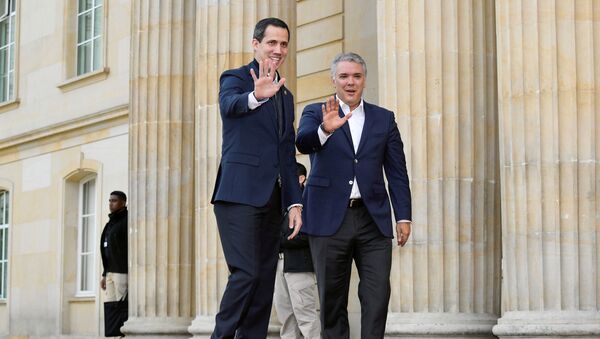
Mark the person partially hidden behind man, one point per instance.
(295, 297)
(113, 249)
(347, 208)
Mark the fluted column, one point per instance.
(437, 72)
(161, 164)
(224, 35)
(549, 114)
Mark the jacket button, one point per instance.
(350, 182)
(356, 161)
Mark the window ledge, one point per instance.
(84, 80)
(3, 301)
(82, 299)
(9, 105)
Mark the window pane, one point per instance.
(5, 249)
(97, 53)
(2, 244)
(84, 5)
(6, 206)
(99, 2)
(4, 32)
(12, 28)
(3, 62)
(84, 235)
(82, 275)
(2, 280)
(87, 234)
(89, 273)
(84, 27)
(3, 7)
(98, 21)
(84, 58)
(11, 85)
(89, 196)
(3, 88)
(2, 222)
(13, 8)
(11, 57)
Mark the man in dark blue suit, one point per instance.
(347, 207)
(256, 179)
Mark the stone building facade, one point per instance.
(496, 101)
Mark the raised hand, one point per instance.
(331, 117)
(264, 87)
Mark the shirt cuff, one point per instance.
(253, 103)
(403, 220)
(322, 136)
(294, 205)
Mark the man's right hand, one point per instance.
(103, 283)
(331, 116)
(264, 85)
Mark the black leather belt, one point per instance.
(354, 203)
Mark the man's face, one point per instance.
(274, 45)
(349, 82)
(115, 203)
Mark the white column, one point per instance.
(549, 105)
(437, 72)
(161, 170)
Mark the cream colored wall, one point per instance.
(39, 292)
(41, 67)
(59, 125)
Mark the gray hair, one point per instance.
(352, 57)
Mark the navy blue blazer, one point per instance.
(253, 154)
(335, 164)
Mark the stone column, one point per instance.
(223, 39)
(549, 119)
(161, 169)
(437, 71)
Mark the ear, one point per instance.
(255, 43)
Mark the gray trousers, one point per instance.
(295, 302)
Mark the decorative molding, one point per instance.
(9, 105)
(85, 122)
(84, 80)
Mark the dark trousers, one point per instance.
(250, 240)
(358, 238)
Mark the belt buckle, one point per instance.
(281, 255)
(352, 203)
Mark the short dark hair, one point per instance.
(261, 27)
(119, 194)
(301, 169)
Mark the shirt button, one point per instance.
(350, 182)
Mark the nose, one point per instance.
(277, 49)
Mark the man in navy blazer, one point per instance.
(256, 180)
(347, 208)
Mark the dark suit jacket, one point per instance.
(335, 164)
(253, 154)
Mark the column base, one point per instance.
(157, 327)
(440, 325)
(550, 324)
(203, 326)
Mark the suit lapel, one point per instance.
(366, 128)
(346, 129)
